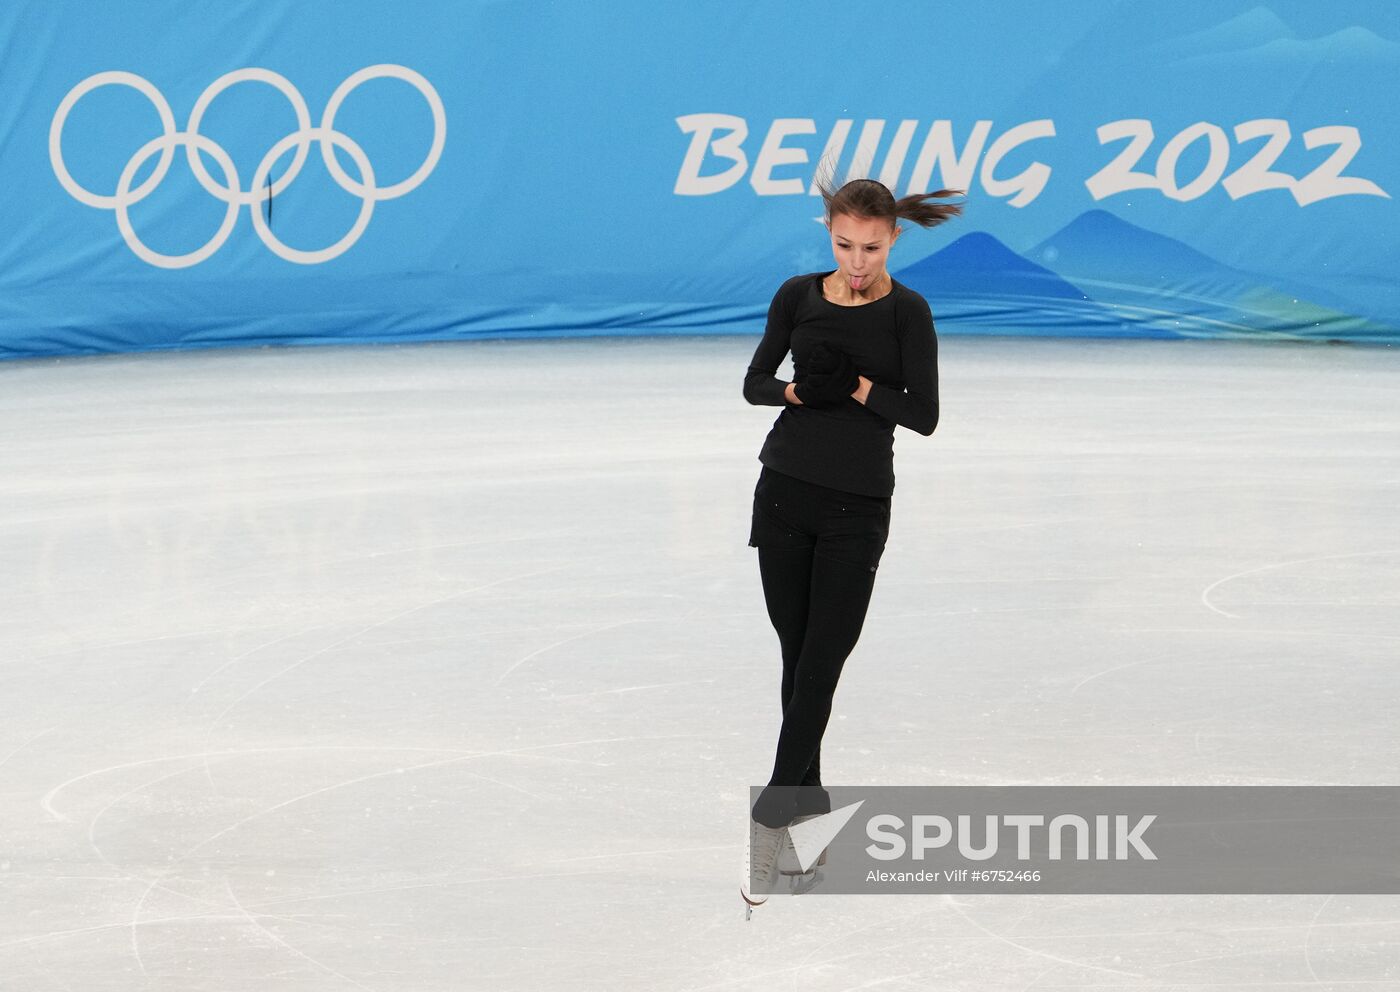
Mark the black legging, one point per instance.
(818, 551)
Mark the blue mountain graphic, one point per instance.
(977, 280)
(1153, 280)
(1256, 26)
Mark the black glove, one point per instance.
(831, 378)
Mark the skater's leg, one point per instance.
(787, 578)
(839, 597)
(786, 574)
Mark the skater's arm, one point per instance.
(761, 386)
(915, 406)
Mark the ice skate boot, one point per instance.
(787, 857)
(760, 864)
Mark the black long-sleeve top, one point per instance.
(892, 343)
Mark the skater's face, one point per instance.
(861, 246)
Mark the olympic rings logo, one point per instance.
(231, 192)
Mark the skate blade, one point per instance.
(750, 900)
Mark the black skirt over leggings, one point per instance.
(818, 552)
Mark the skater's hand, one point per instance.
(831, 378)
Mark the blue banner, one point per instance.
(297, 171)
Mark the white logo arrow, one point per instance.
(810, 837)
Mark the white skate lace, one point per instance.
(764, 845)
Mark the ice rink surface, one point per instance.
(446, 667)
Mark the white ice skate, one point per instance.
(760, 864)
(788, 863)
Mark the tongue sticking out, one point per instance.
(857, 282)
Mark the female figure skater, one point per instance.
(865, 360)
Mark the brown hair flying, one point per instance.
(873, 199)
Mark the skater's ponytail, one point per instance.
(873, 199)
